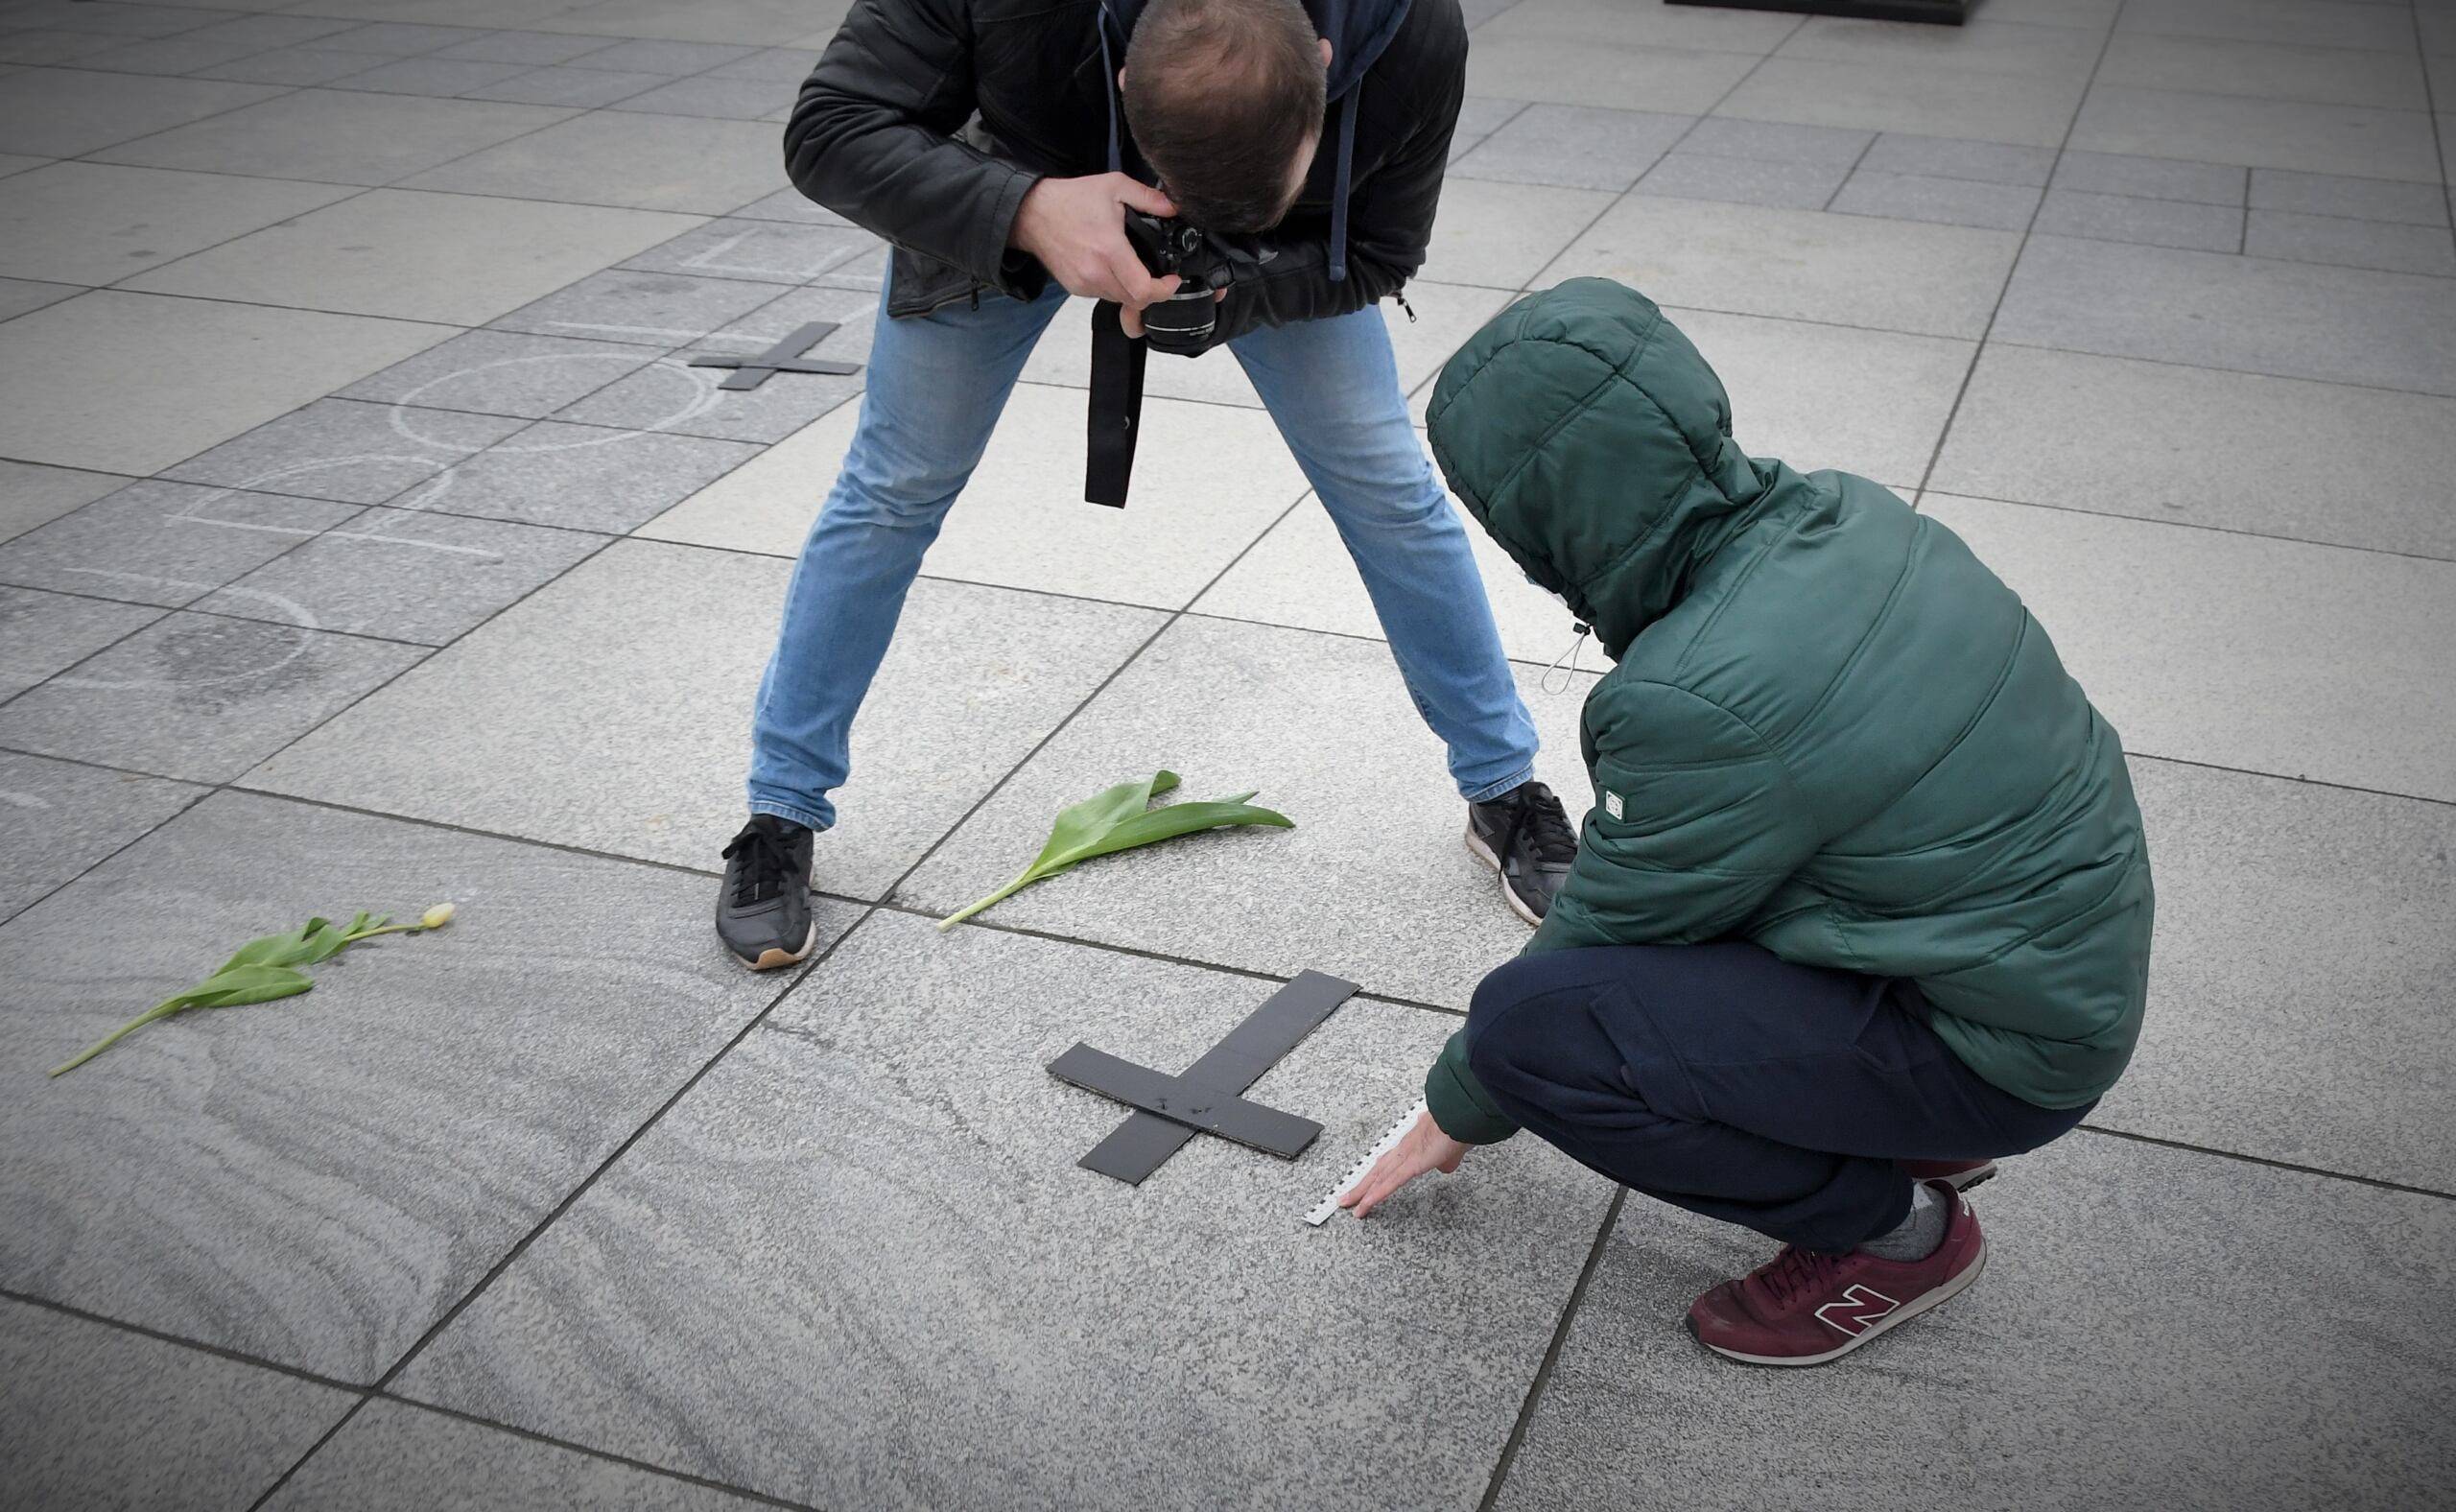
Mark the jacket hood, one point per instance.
(1593, 443)
(1360, 31)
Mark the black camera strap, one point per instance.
(1117, 408)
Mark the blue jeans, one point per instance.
(936, 385)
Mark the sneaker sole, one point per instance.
(1482, 852)
(774, 956)
(1968, 1180)
(1936, 1298)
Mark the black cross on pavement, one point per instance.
(784, 357)
(1205, 1098)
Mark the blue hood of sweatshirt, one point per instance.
(1360, 31)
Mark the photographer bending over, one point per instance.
(999, 149)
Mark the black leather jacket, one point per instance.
(927, 120)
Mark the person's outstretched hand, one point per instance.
(1076, 227)
(1421, 1148)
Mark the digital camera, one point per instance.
(1204, 264)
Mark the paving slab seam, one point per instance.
(2430, 98)
(2188, 525)
(2211, 367)
(2213, 1152)
(1852, 172)
(521, 1248)
(1551, 1353)
(236, 1356)
(665, 1472)
(2029, 229)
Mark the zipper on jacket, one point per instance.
(1403, 305)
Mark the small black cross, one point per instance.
(1205, 1098)
(784, 357)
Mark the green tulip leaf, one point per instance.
(1120, 818)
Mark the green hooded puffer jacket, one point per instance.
(1832, 731)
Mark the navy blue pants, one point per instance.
(1727, 1081)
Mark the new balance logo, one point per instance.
(1859, 1311)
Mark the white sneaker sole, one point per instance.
(1890, 1321)
(772, 957)
(1482, 852)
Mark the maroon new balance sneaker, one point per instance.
(1808, 1307)
(1959, 1174)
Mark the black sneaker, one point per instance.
(1525, 837)
(762, 914)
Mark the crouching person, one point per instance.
(1862, 902)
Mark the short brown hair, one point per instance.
(1221, 95)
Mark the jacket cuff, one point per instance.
(1460, 1103)
(1002, 266)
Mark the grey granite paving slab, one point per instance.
(1771, 141)
(59, 817)
(2240, 650)
(1951, 157)
(1940, 201)
(1982, 45)
(41, 633)
(394, 1458)
(2147, 1336)
(2274, 896)
(581, 477)
(42, 47)
(2152, 223)
(162, 543)
(2361, 198)
(316, 1181)
(1582, 20)
(1478, 117)
(199, 696)
(2285, 22)
(19, 295)
(647, 162)
(1741, 180)
(585, 87)
(68, 113)
(414, 255)
(440, 77)
(1574, 146)
(2267, 70)
(336, 135)
(533, 48)
(346, 451)
(1908, 96)
(168, 55)
(1022, 522)
(290, 65)
(780, 65)
(504, 373)
(668, 58)
(405, 574)
(119, 20)
(93, 223)
(1501, 234)
(31, 495)
(762, 251)
(652, 309)
(2292, 319)
(1322, 727)
(2241, 451)
(1869, 402)
(709, 96)
(145, 351)
(271, 31)
(1932, 280)
(1602, 73)
(94, 1416)
(675, 396)
(401, 39)
(2259, 134)
(2152, 178)
(535, 724)
(792, 204)
(2351, 244)
(976, 1322)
